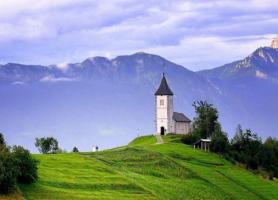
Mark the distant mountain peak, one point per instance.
(262, 56)
(262, 64)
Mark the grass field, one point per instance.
(144, 170)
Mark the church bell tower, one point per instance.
(164, 108)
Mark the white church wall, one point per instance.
(164, 113)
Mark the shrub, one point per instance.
(8, 171)
(75, 150)
(27, 166)
(189, 138)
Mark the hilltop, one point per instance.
(145, 170)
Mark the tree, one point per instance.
(206, 121)
(269, 157)
(242, 141)
(75, 150)
(238, 135)
(8, 171)
(246, 147)
(28, 170)
(219, 141)
(47, 145)
(16, 165)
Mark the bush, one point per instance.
(28, 171)
(189, 138)
(8, 171)
(75, 150)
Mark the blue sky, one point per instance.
(196, 34)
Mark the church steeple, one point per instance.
(164, 89)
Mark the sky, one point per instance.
(197, 34)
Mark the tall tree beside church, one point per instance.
(206, 120)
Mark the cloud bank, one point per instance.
(197, 34)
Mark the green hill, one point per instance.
(145, 170)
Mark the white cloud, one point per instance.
(196, 34)
(260, 74)
(51, 78)
(63, 66)
(18, 83)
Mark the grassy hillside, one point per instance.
(144, 170)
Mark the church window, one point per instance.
(161, 102)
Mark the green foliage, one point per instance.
(268, 157)
(206, 120)
(189, 138)
(16, 166)
(75, 150)
(47, 145)
(27, 166)
(246, 147)
(219, 141)
(8, 170)
(206, 125)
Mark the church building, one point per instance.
(168, 121)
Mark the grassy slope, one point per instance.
(144, 170)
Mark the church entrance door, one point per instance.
(162, 131)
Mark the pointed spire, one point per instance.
(164, 89)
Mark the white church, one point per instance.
(168, 121)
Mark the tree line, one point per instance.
(245, 147)
(49, 145)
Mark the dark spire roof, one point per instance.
(163, 89)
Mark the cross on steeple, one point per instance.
(164, 68)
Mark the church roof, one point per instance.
(164, 89)
(180, 117)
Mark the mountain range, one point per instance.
(107, 102)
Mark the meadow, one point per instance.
(145, 170)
